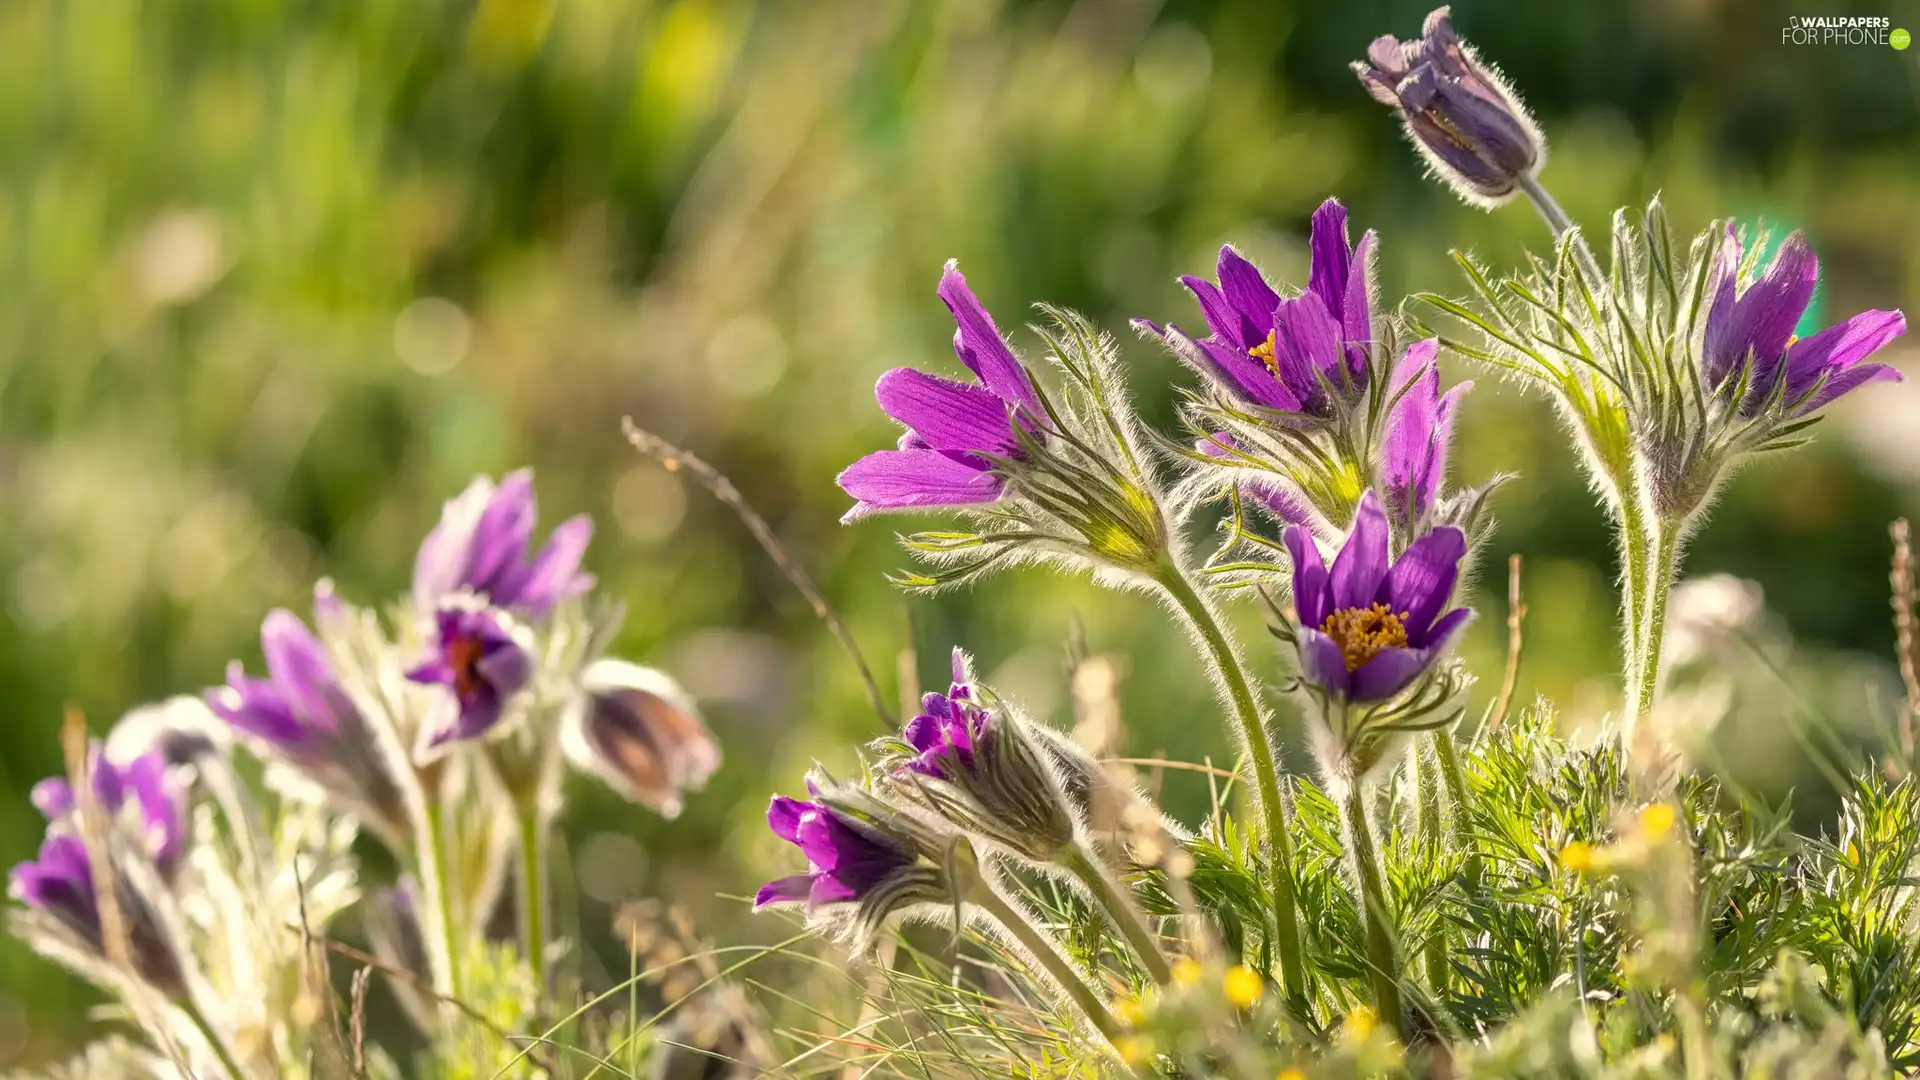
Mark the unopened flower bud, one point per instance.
(641, 733)
(1465, 120)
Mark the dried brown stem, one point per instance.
(675, 459)
(1516, 616)
(1901, 578)
(94, 831)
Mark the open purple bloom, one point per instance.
(303, 715)
(1464, 119)
(846, 859)
(1285, 354)
(950, 424)
(1372, 626)
(1755, 325)
(1419, 431)
(481, 546)
(142, 783)
(478, 657)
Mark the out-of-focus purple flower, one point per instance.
(950, 424)
(1286, 354)
(479, 658)
(846, 858)
(481, 546)
(301, 713)
(1462, 116)
(641, 733)
(1419, 431)
(1372, 625)
(1273, 495)
(1755, 325)
(143, 783)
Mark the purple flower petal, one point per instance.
(53, 797)
(1307, 347)
(1329, 255)
(297, 666)
(1356, 308)
(947, 415)
(1387, 673)
(1362, 564)
(787, 890)
(1835, 350)
(1249, 297)
(1851, 379)
(1312, 597)
(908, 479)
(1421, 581)
(1222, 320)
(504, 530)
(784, 815)
(978, 343)
(1322, 662)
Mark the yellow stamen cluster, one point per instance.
(1362, 633)
(1263, 352)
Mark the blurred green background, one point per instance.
(277, 278)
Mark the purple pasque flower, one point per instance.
(60, 883)
(145, 784)
(1465, 120)
(847, 859)
(479, 657)
(481, 547)
(949, 728)
(1755, 326)
(1373, 625)
(301, 713)
(950, 425)
(1285, 354)
(1418, 434)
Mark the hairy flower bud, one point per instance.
(1465, 120)
(641, 733)
(973, 761)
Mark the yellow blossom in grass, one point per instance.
(1360, 1022)
(1187, 972)
(1134, 1049)
(1291, 1073)
(1244, 986)
(1579, 857)
(1130, 1011)
(1656, 821)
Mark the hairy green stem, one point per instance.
(533, 900)
(1633, 597)
(443, 876)
(214, 1042)
(1561, 224)
(1462, 800)
(1665, 545)
(1043, 952)
(1383, 967)
(1267, 777)
(1426, 774)
(1092, 872)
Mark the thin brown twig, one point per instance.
(358, 1020)
(1516, 616)
(94, 825)
(1901, 578)
(675, 459)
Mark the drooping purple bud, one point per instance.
(60, 883)
(641, 734)
(479, 656)
(1465, 120)
(847, 859)
(481, 546)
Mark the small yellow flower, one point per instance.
(1130, 1011)
(1291, 1073)
(1656, 821)
(1244, 986)
(1853, 852)
(1187, 972)
(1134, 1049)
(1360, 1022)
(1579, 857)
